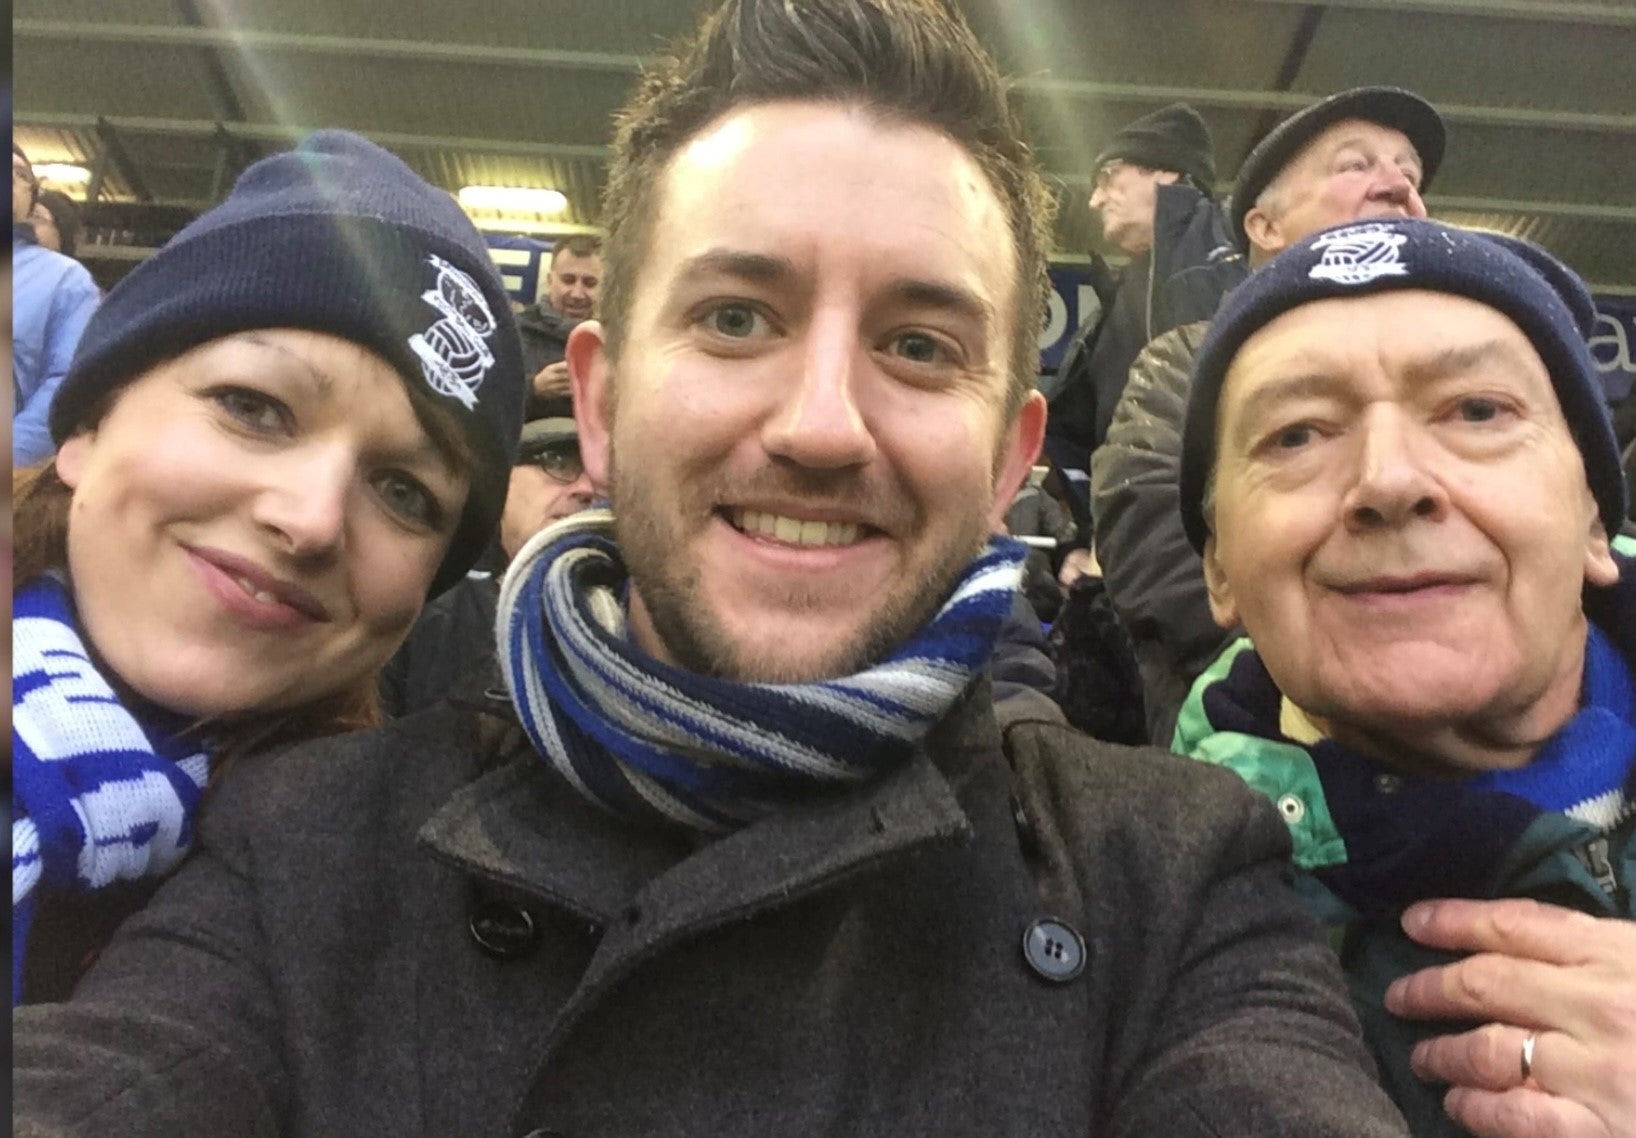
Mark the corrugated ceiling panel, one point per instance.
(161, 12)
(1544, 164)
(449, 99)
(1465, 60)
(624, 26)
(1133, 41)
(108, 79)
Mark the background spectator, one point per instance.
(450, 651)
(56, 222)
(52, 298)
(1153, 183)
(572, 281)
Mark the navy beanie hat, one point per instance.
(1539, 294)
(335, 236)
(1171, 138)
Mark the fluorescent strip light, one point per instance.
(513, 200)
(63, 173)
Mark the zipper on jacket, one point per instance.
(1152, 271)
(1593, 855)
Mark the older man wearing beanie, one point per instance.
(1401, 476)
(1152, 190)
(1365, 152)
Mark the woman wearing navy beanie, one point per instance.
(279, 436)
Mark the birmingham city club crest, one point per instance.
(1359, 254)
(454, 353)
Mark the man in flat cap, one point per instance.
(1365, 152)
(1401, 475)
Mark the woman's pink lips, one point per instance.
(292, 608)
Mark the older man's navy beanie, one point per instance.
(335, 236)
(1539, 294)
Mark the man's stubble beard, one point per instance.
(651, 541)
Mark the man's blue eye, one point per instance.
(918, 347)
(735, 320)
(1291, 437)
(1477, 410)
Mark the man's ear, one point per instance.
(590, 374)
(1166, 177)
(1601, 569)
(1222, 606)
(1022, 443)
(1263, 231)
(71, 459)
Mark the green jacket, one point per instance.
(1552, 858)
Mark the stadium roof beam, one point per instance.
(249, 39)
(292, 132)
(1559, 11)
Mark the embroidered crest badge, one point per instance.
(454, 353)
(1359, 254)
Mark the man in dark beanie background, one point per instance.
(1152, 189)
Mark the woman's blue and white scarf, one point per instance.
(651, 741)
(98, 796)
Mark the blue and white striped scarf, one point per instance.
(654, 742)
(98, 796)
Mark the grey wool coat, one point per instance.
(854, 967)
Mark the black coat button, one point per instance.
(503, 930)
(1054, 950)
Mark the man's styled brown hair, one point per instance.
(580, 245)
(914, 61)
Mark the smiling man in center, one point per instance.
(771, 859)
(837, 342)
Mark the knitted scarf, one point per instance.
(1408, 837)
(654, 742)
(98, 795)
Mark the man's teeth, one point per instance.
(257, 594)
(795, 531)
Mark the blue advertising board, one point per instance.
(1071, 297)
(1613, 345)
(519, 260)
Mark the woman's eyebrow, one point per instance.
(322, 383)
